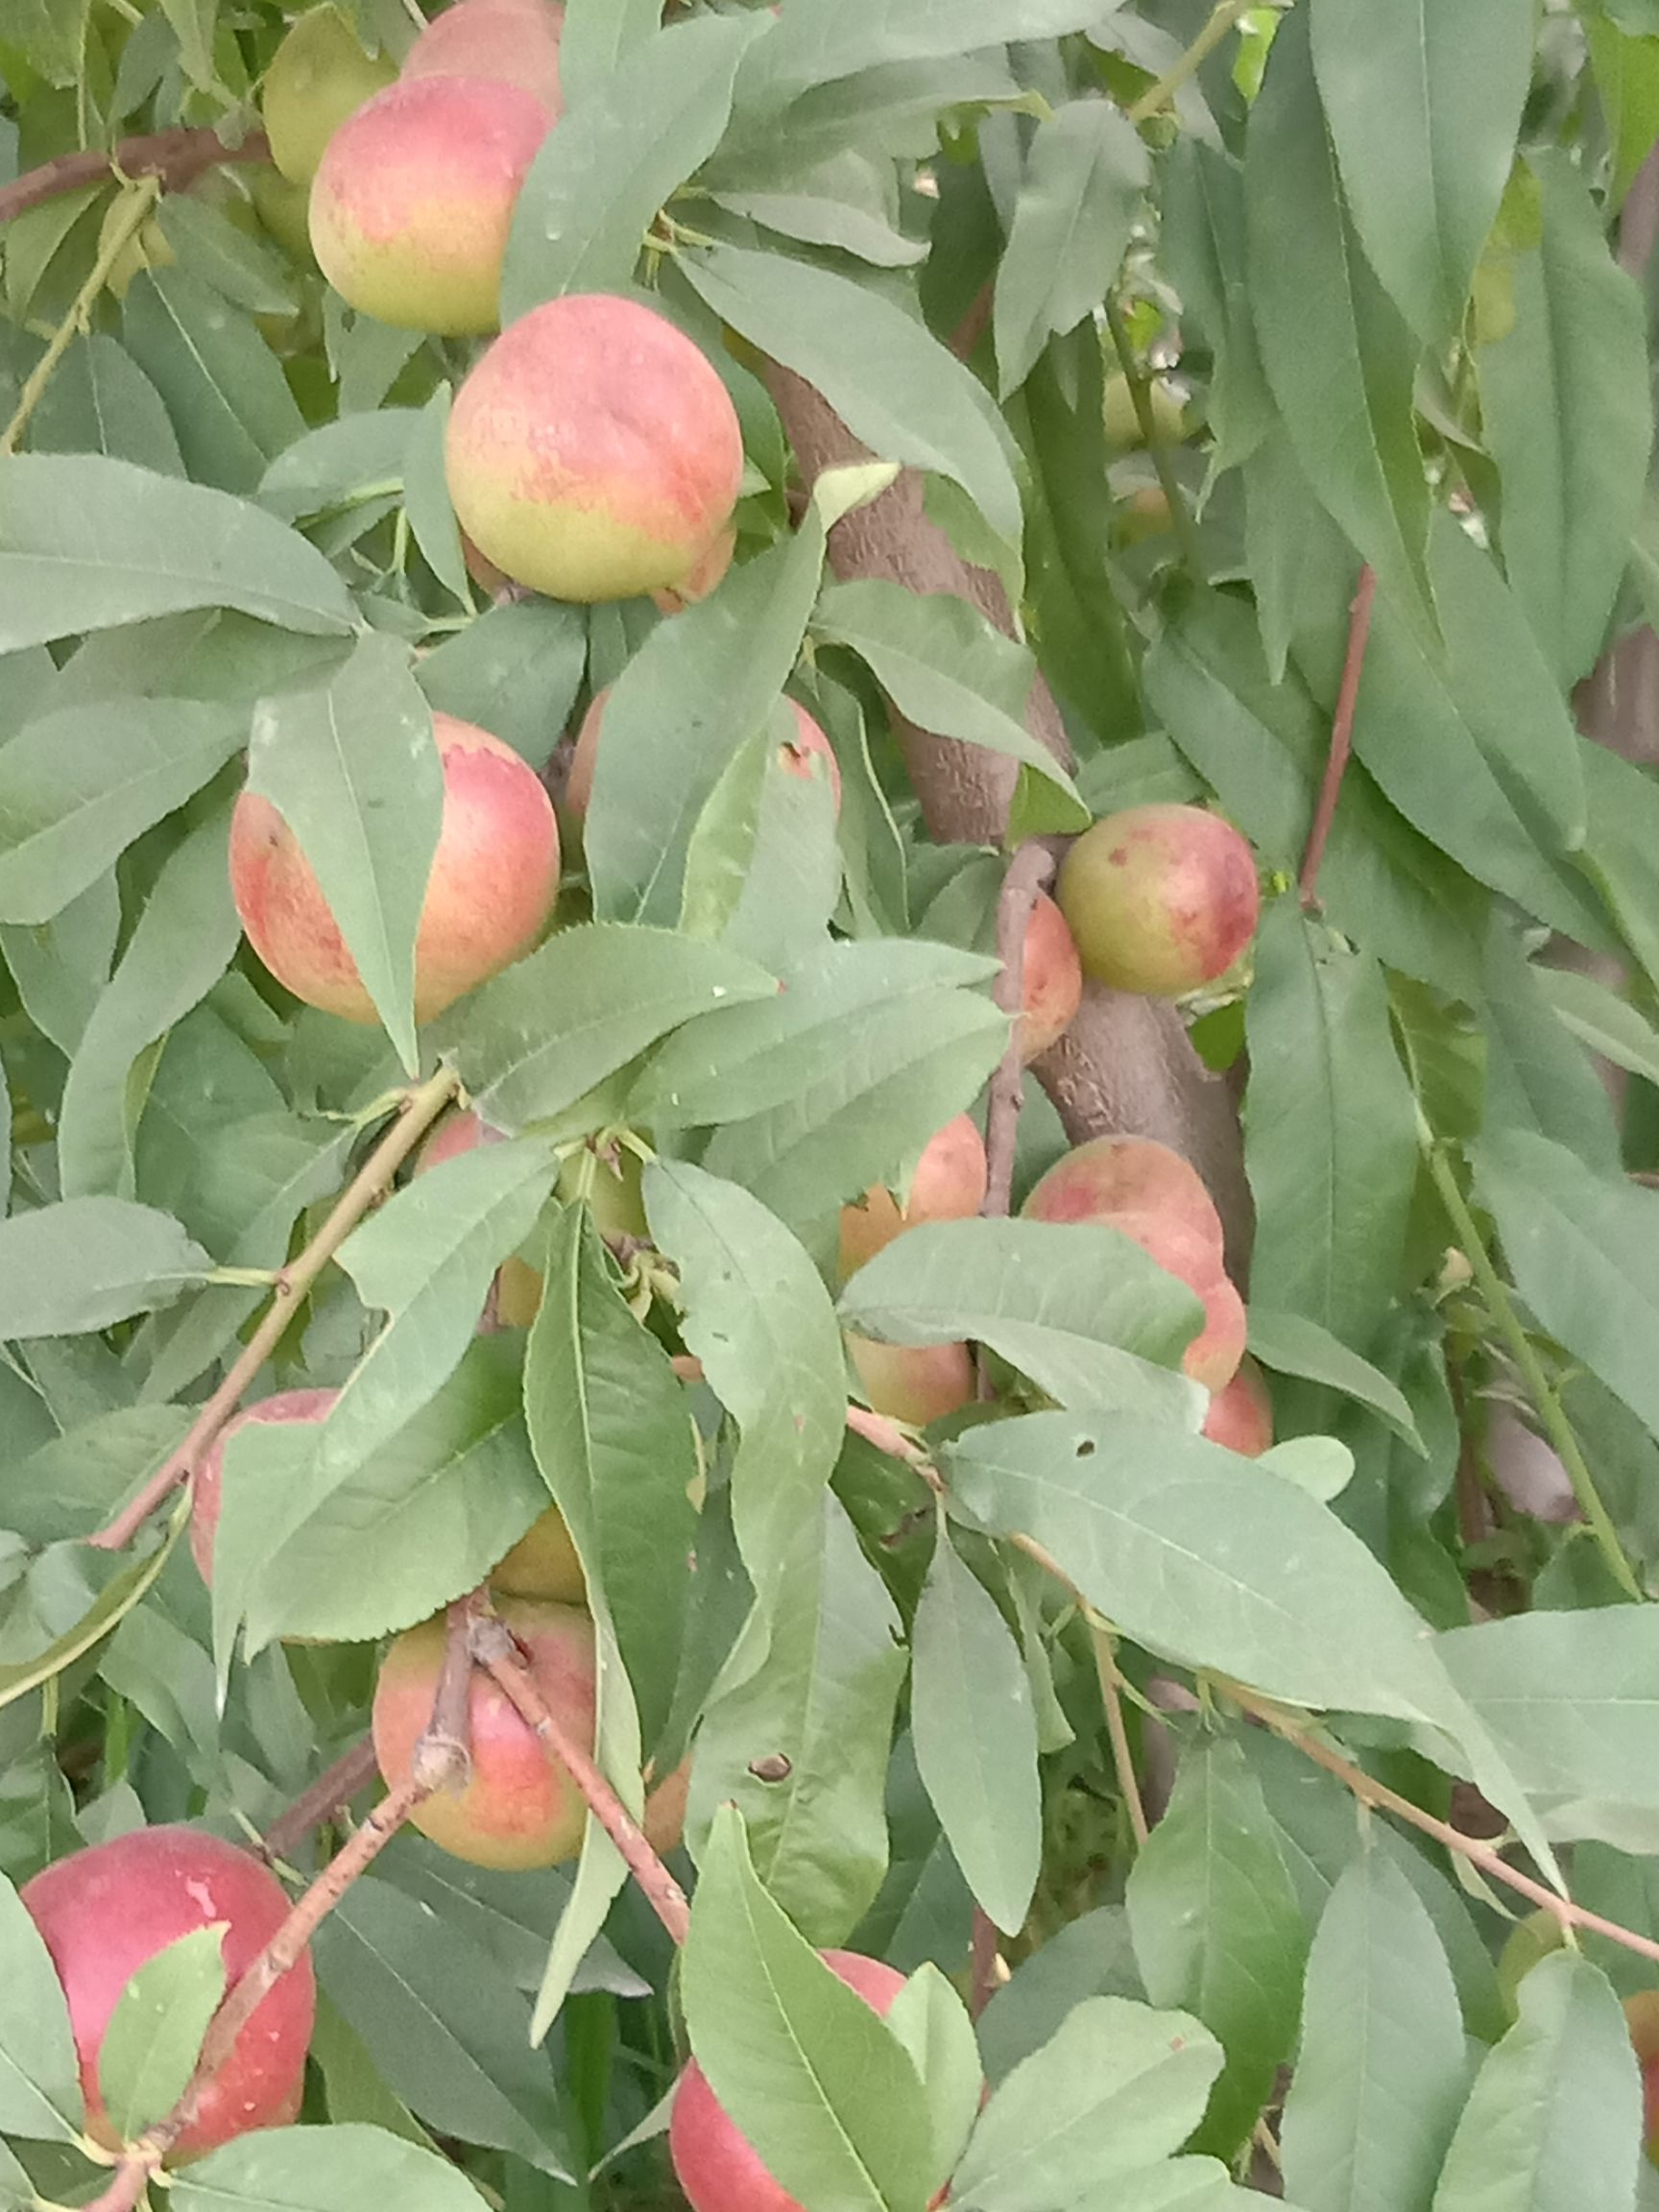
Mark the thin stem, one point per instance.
(1111, 1696)
(331, 1793)
(1550, 1411)
(421, 1108)
(1187, 65)
(1140, 400)
(134, 213)
(178, 157)
(1341, 733)
(987, 1957)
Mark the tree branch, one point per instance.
(331, 1793)
(1030, 872)
(178, 157)
(1341, 733)
(131, 219)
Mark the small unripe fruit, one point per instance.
(801, 756)
(207, 1487)
(1122, 424)
(709, 570)
(1050, 980)
(518, 1807)
(317, 77)
(1160, 899)
(105, 1913)
(913, 1383)
(949, 1185)
(716, 2165)
(282, 207)
(594, 453)
(494, 879)
(413, 197)
(1241, 1416)
(503, 41)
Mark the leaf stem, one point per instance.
(1341, 734)
(1185, 66)
(1111, 1696)
(134, 212)
(1140, 400)
(1550, 1411)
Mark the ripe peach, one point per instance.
(709, 570)
(518, 1285)
(1051, 979)
(503, 41)
(414, 197)
(913, 1383)
(1160, 899)
(798, 755)
(494, 877)
(594, 453)
(208, 1483)
(949, 1185)
(317, 77)
(1242, 1415)
(105, 1913)
(518, 1807)
(716, 2165)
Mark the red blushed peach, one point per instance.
(1160, 899)
(503, 41)
(207, 1486)
(594, 453)
(711, 568)
(1212, 1357)
(716, 2165)
(913, 1383)
(949, 1185)
(1113, 1175)
(414, 197)
(1242, 1415)
(494, 877)
(1051, 979)
(801, 756)
(105, 1913)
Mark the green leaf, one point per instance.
(1117, 2086)
(87, 544)
(1330, 1142)
(1339, 356)
(1609, 1025)
(597, 38)
(1568, 419)
(1381, 2081)
(426, 499)
(1203, 243)
(620, 150)
(896, 388)
(514, 670)
(223, 389)
(79, 785)
(149, 2048)
(235, 262)
(1424, 118)
(829, 2098)
(1086, 171)
(1553, 2123)
(932, 2021)
(339, 464)
(1293, 1344)
(1628, 80)
(1536, 1076)
(1078, 1307)
(354, 772)
(860, 222)
(975, 1737)
(541, 1035)
(39, 2078)
(338, 2169)
(1584, 1250)
(79, 1266)
(1217, 1929)
(100, 401)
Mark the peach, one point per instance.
(413, 197)
(1641, 2014)
(1122, 424)
(1160, 899)
(798, 755)
(716, 2165)
(317, 77)
(1051, 979)
(503, 41)
(913, 1383)
(518, 1285)
(1241, 1416)
(207, 1487)
(711, 568)
(105, 1913)
(949, 1185)
(518, 1807)
(594, 453)
(489, 898)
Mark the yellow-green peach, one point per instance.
(1160, 899)
(318, 75)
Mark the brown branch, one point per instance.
(1030, 871)
(495, 1649)
(177, 156)
(1341, 734)
(417, 1111)
(331, 1793)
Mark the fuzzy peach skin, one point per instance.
(1160, 899)
(518, 1807)
(949, 1185)
(504, 41)
(808, 746)
(709, 570)
(716, 2165)
(913, 1383)
(1242, 1415)
(105, 1913)
(1050, 979)
(207, 1487)
(489, 898)
(414, 197)
(594, 453)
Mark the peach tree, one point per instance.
(830, 1026)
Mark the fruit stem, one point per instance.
(1494, 1291)
(1187, 64)
(332, 1790)
(134, 207)
(420, 1107)
(1112, 1698)
(1152, 437)
(1341, 734)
